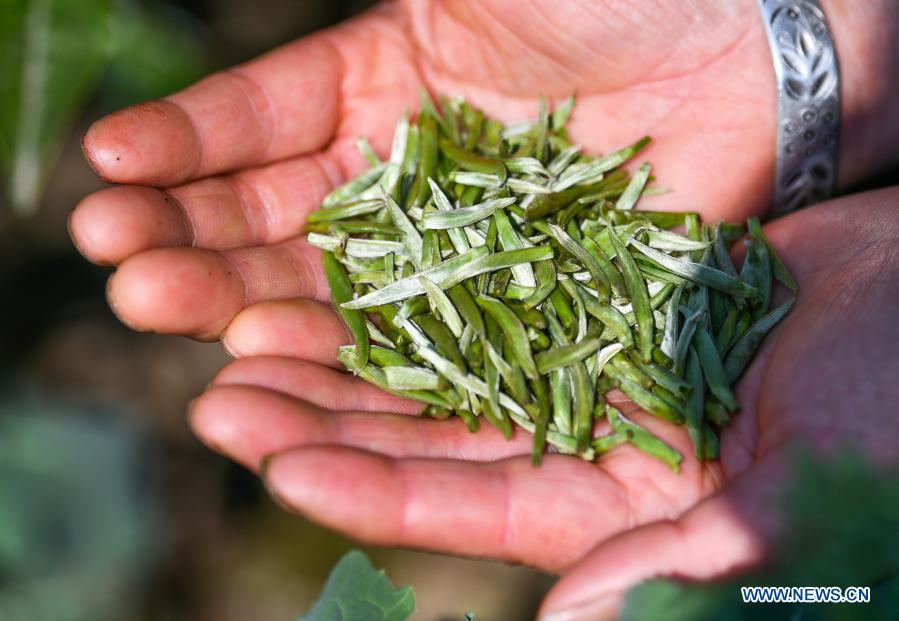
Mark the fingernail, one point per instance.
(192, 408)
(228, 348)
(190, 415)
(191, 423)
(602, 608)
(100, 159)
(264, 467)
(114, 306)
(89, 152)
(74, 238)
(264, 464)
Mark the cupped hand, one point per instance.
(206, 238)
(355, 459)
(240, 158)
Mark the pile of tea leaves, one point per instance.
(500, 274)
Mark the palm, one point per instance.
(690, 77)
(821, 381)
(246, 154)
(352, 458)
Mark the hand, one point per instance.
(350, 457)
(245, 154)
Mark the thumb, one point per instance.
(723, 534)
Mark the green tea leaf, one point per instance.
(502, 269)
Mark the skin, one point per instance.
(240, 158)
(217, 180)
(339, 452)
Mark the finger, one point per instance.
(724, 534)
(281, 104)
(311, 330)
(253, 207)
(843, 226)
(319, 385)
(247, 422)
(303, 329)
(505, 509)
(198, 292)
(114, 223)
(547, 517)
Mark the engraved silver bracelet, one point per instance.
(808, 102)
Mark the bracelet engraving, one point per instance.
(808, 102)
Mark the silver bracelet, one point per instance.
(808, 102)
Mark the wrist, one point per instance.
(866, 37)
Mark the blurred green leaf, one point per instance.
(156, 51)
(843, 521)
(842, 529)
(52, 53)
(356, 591)
(77, 526)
